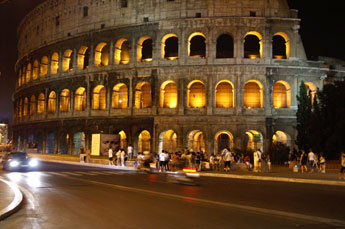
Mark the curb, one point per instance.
(281, 179)
(15, 204)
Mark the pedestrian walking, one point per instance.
(342, 168)
(311, 157)
(303, 161)
(81, 154)
(110, 155)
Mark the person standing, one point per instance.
(110, 155)
(122, 156)
(227, 160)
(322, 163)
(342, 168)
(303, 161)
(130, 152)
(256, 161)
(311, 160)
(162, 161)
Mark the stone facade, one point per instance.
(104, 26)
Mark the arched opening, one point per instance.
(224, 95)
(65, 100)
(223, 139)
(168, 95)
(63, 143)
(44, 67)
(254, 140)
(41, 104)
(26, 107)
(52, 102)
(311, 90)
(78, 141)
(35, 70)
(280, 136)
(196, 94)
(120, 96)
(169, 47)
(83, 58)
(28, 73)
(281, 46)
(99, 98)
(20, 110)
(197, 45)
(39, 141)
(196, 141)
(225, 46)
(102, 55)
(123, 139)
(281, 95)
(80, 99)
(32, 105)
(144, 50)
(253, 45)
(144, 141)
(50, 142)
(253, 95)
(143, 95)
(122, 52)
(67, 61)
(23, 76)
(168, 141)
(20, 78)
(54, 63)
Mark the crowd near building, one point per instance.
(163, 74)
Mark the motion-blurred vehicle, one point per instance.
(18, 160)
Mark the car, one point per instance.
(18, 160)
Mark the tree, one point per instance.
(303, 116)
(327, 122)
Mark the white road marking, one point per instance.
(265, 211)
(72, 174)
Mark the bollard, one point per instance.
(295, 168)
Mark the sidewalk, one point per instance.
(11, 198)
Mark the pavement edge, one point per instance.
(16, 202)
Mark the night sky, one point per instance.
(322, 31)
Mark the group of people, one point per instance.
(312, 160)
(120, 157)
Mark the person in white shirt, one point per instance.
(123, 155)
(311, 160)
(227, 160)
(110, 155)
(130, 152)
(162, 157)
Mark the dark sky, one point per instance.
(322, 31)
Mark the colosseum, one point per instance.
(163, 74)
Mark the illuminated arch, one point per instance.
(102, 55)
(99, 98)
(144, 49)
(223, 139)
(224, 94)
(26, 107)
(121, 55)
(168, 94)
(167, 141)
(120, 96)
(196, 40)
(169, 47)
(44, 67)
(83, 57)
(196, 141)
(67, 60)
(80, 99)
(196, 94)
(253, 94)
(250, 48)
(35, 70)
(32, 105)
(65, 100)
(41, 104)
(282, 137)
(281, 95)
(123, 139)
(255, 140)
(54, 63)
(144, 141)
(52, 102)
(311, 90)
(278, 50)
(28, 73)
(143, 97)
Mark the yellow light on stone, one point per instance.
(172, 58)
(253, 56)
(147, 60)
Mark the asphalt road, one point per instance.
(66, 196)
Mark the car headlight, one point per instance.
(14, 163)
(33, 163)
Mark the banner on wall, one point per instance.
(101, 143)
